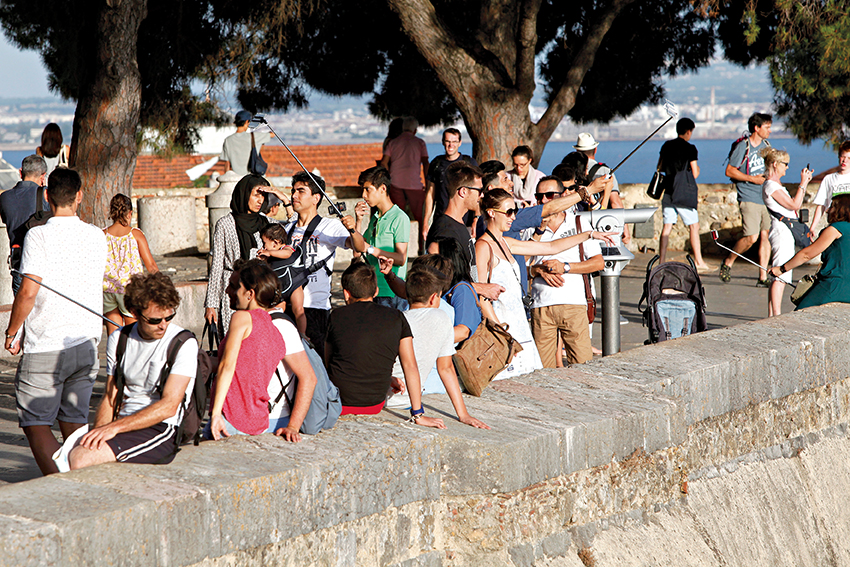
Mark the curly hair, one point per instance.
(119, 206)
(144, 289)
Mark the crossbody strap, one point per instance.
(588, 293)
(487, 231)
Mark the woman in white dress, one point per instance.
(495, 263)
(779, 202)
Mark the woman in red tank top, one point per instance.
(250, 352)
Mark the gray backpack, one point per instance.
(326, 404)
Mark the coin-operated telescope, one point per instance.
(616, 257)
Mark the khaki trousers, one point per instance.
(568, 320)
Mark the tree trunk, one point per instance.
(106, 120)
(491, 76)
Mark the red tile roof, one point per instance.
(338, 164)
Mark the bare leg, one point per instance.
(81, 457)
(663, 241)
(697, 246)
(42, 444)
(744, 244)
(764, 254)
(774, 298)
(116, 318)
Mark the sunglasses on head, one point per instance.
(548, 195)
(508, 213)
(157, 320)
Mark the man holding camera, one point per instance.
(323, 236)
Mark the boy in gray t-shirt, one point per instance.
(433, 337)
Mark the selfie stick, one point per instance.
(672, 112)
(714, 237)
(261, 119)
(60, 294)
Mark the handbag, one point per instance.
(655, 189)
(685, 191)
(484, 354)
(256, 163)
(588, 293)
(804, 286)
(798, 229)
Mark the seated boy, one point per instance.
(363, 341)
(433, 335)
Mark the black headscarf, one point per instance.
(247, 223)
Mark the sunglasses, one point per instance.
(158, 320)
(548, 195)
(479, 189)
(508, 213)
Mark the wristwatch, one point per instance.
(370, 251)
(566, 267)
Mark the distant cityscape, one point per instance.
(719, 99)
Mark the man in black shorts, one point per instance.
(145, 428)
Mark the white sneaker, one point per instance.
(60, 457)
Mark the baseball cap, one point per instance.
(242, 116)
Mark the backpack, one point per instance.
(195, 403)
(746, 159)
(291, 272)
(326, 404)
(38, 218)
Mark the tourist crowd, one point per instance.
(506, 246)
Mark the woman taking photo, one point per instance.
(779, 202)
(237, 235)
(495, 263)
(833, 278)
(251, 351)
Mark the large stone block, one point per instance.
(168, 224)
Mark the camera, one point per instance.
(340, 205)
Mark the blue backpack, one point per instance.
(326, 404)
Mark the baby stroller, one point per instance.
(675, 300)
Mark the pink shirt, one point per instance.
(246, 404)
(406, 153)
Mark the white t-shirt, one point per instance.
(293, 343)
(832, 184)
(329, 235)
(68, 255)
(767, 191)
(572, 292)
(237, 149)
(142, 363)
(433, 338)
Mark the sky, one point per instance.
(30, 76)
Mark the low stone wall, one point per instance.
(729, 447)
(718, 210)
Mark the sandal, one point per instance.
(763, 283)
(725, 273)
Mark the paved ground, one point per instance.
(728, 304)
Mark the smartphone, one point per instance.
(257, 119)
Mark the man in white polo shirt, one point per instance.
(59, 363)
(558, 287)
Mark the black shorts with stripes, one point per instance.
(152, 445)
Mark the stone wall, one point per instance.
(729, 447)
(718, 210)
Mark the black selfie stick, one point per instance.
(60, 294)
(672, 112)
(261, 119)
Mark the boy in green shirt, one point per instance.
(387, 233)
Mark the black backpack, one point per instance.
(38, 218)
(292, 272)
(195, 404)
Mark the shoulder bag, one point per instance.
(655, 189)
(256, 163)
(484, 354)
(798, 229)
(684, 187)
(588, 293)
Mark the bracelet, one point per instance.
(782, 269)
(591, 234)
(417, 412)
(8, 336)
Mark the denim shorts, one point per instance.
(669, 212)
(56, 384)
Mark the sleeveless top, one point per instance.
(122, 261)
(246, 404)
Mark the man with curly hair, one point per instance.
(151, 406)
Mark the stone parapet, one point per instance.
(688, 442)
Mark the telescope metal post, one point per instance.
(610, 313)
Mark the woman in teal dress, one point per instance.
(833, 277)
